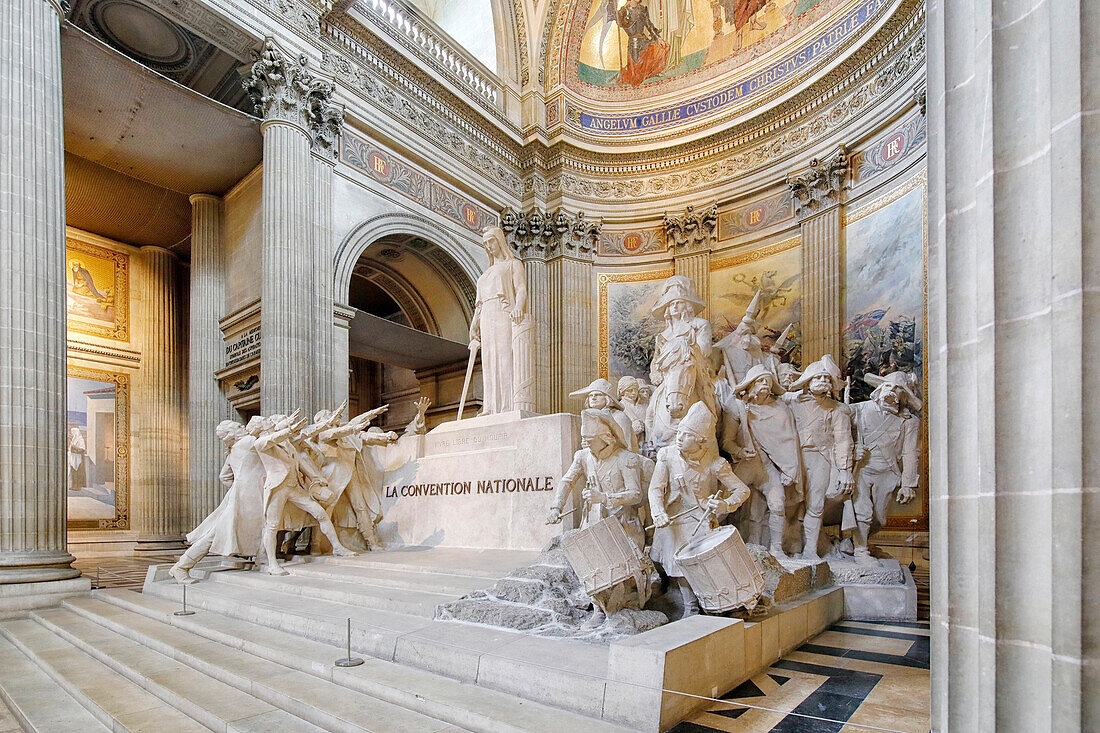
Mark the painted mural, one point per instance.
(627, 329)
(97, 449)
(97, 290)
(777, 271)
(627, 50)
(884, 294)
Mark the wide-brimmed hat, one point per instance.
(823, 366)
(591, 419)
(699, 420)
(603, 387)
(677, 287)
(754, 374)
(899, 380)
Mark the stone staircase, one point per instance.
(258, 656)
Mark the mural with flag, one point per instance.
(884, 298)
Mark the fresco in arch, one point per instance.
(884, 295)
(778, 274)
(627, 43)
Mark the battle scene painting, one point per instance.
(884, 295)
(627, 328)
(776, 270)
(625, 43)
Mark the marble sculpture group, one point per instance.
(728, 435)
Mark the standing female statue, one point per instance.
(504, 330)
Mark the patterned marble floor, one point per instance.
(853, 678)
(121, 571)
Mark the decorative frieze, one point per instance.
(821, 184)
(542, 235)
(692, 231)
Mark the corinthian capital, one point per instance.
(693, 231)
(542, 235)
(285, 89)
(821, 184)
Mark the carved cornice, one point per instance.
(692, 231)
(535, 234)
(821, 185)
(285, 90)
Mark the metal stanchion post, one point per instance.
(349, 661)
(184, 612)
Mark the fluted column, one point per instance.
(557, 250)
(818, 195)
(1014, 349)
(206, 404)
(159, 497)
(32, 296)
(298, 112)
(322, 252)
(691, 236)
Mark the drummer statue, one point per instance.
(691, 487)
(613, 485)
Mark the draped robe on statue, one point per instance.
(505, 347)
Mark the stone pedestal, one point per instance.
(484, 482)
(882, 592)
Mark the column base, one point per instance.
(17, 599)
(36, 567)
(158, 544)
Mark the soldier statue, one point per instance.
(888, 452)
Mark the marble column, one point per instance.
(323, 160)
(206, 404)
(1013, 348)
(691, 236)
(818, 195)
(159, 497)
(557, 251)
(295, 106)
(32, 297)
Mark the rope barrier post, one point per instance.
(349, 661)
(184, 612)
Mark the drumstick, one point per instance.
(676, 516)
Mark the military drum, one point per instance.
(721, 572)
(603, 556)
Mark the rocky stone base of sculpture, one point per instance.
(884, 571)
(788, 579)
(546, 599)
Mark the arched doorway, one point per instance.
(411, 304)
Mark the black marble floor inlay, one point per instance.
(884, 633)
(918, 660)
(747, 688)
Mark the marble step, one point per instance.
(462, 704)
(561, 672)
(493, 564)
(109, 698)
(37, 701)
(453, 585)
(383, 598)
(307, 696)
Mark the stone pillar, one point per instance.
(691, 237)
(818, 195)
(325, 151)
(206, 404)
(295, 106)
(557, 250)
(159, 497)
(1014, 348)
(341, 359)
(32, 297)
